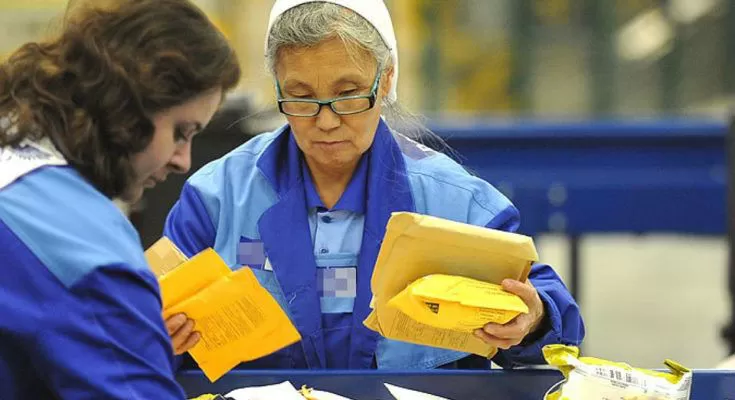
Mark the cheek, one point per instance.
(142, 165)
(139, 162)
(299, 129)
(364, 129)
(365, 141)
(152, 159)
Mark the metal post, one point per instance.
(729, 331)
(574, 270)
(729, 43)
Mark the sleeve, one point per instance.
(105, 339)
(189, 224)
(562, 322)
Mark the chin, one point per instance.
(132, 195)
(340, 159)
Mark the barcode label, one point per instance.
(630, 379)
(625, 378)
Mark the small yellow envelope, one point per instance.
(416, 246)
(237, 318)
(457, 303)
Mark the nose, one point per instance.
(181, 160)
(327, 119)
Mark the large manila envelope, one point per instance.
(417, 245)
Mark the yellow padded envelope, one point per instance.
(237, 318)
(416, 246)
(457, 303)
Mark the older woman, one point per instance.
(102, 111)
(306, 206)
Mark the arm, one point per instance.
(560, 320)
(189, 224)
(104, 338)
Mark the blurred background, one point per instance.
(639, 90)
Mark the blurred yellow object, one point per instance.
(32, 5)
(312, 394)
(589, 378)
(457, 303)
(205, 397)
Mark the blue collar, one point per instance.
(353, 199)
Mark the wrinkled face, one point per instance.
(170, 148)
(323, 72)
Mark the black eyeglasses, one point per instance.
(340, 105)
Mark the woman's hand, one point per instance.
(181, 330)
(513, 332)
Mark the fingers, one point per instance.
(174, 323)
(528, 293)
(524, 290)
(190, 342)
(515, 329)
(513, 332)
(494, 341)
(181, 330)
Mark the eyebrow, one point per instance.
(290, 84)
(188, 124)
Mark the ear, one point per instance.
(386, 82)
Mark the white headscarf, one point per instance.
(374, 11)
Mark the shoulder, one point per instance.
(235, 179)
(237, 165)
(440, 185)
(70, 226)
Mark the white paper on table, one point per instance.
(406, 394)
(281, 391)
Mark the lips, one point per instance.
(153, 181)
(330, 144)
(159, 179)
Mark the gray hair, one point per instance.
(311, 23)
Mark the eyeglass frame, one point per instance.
(372, 98)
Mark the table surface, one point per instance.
(527, 384)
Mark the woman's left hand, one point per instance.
(513, 332)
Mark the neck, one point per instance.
(330, 183)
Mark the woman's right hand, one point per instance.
(181, 330)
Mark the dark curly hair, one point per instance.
(93, 88)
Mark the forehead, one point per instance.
(331, 58)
